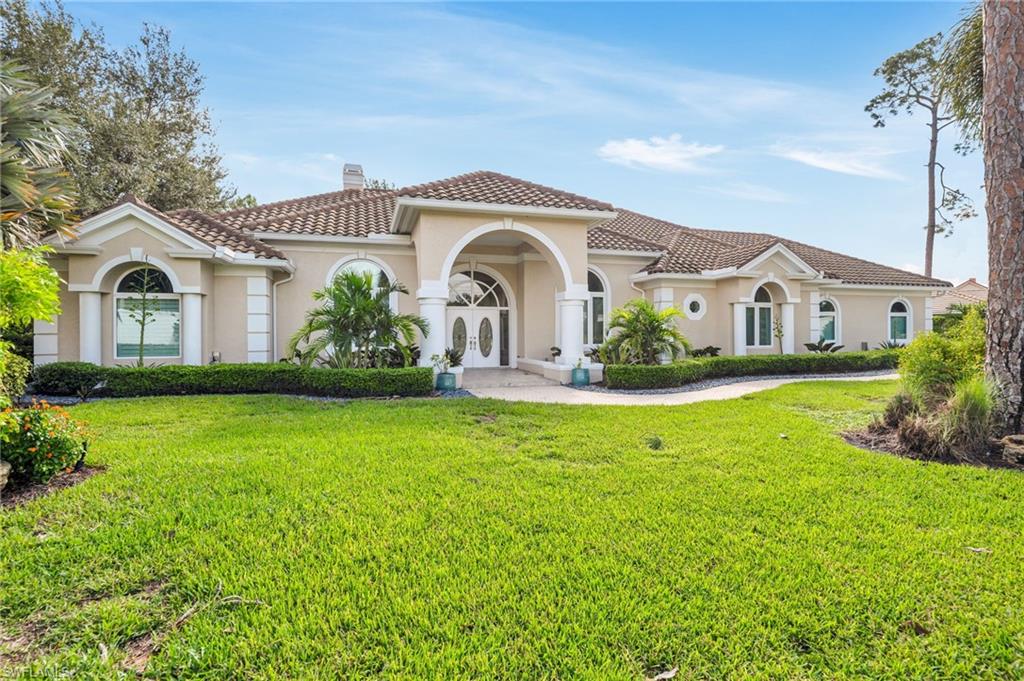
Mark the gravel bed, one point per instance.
(715, 382)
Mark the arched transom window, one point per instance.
(594, 310)
(473, 288)
(147, 316)
(759, 319)
(377, 272)
(899, 322)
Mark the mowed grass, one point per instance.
(274, 537)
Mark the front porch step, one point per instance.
(502, 378)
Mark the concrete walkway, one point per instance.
(553, 393)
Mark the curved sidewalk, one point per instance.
(559, 394)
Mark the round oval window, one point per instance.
(459, 335)
(694, 306)
(486, 337)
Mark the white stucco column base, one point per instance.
(570, 327)
(192, 325)
(90, 327)
(739, 329)
(788, 328)
(433, 300)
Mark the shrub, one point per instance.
(40, 441)
(640, 334)
(16, 370)
(900, 407)
(67, 378)
(639, 377)
(933, 364)
(967, 420)
(284, 378)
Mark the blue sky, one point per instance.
(735, 116)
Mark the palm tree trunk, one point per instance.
(1003, 139)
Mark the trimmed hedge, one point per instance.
(73, 378)
(641, 377)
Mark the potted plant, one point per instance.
(446, 379)
(580, 374)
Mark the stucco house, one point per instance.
(970, 292)
(500, 267)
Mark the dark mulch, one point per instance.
(884, 440)
(16, 496)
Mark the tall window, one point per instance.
(147, 311)
(594, 310)
(759, 319)
(827, 320)
(899, 322)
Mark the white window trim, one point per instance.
(607, 296)
(118, 295)
(909, 314)
(838, 340)
(770, 306)
(698, 298)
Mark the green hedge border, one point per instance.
(71, 378)
(678, 374)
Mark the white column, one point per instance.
(739, 329)
(929, 313)
(257, 290)
(433, 300)
(570, 327)
(44, 341)
(788, 328)
(192, 325)
(90, 327)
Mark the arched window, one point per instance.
(828, 321)
(759, 320)
(380, 277)
(594, 310)
(147, 314)
(899, 322)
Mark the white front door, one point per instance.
(475, 332)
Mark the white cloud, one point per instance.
(912, 267)
(670, 153)
(863, 161)
(746, 191)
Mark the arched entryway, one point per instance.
(479, 317)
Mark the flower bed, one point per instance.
(78, 378)
(644, 377)
(40, 441)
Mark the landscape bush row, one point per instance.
(84, 379)
(641, 377)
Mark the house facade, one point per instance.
(501, 268)
(970, 292)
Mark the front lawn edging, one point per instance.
(83, 379)
(677, 374)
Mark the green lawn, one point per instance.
(275, 537)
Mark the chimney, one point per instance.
(352, 176)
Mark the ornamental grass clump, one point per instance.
(40, 441)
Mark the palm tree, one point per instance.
(37, 195)
(354, 325)
(640, 334)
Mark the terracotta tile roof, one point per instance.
(485, 186)
(361, 213)
(610, 240)
(216, 233)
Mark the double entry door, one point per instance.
(474, 331)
